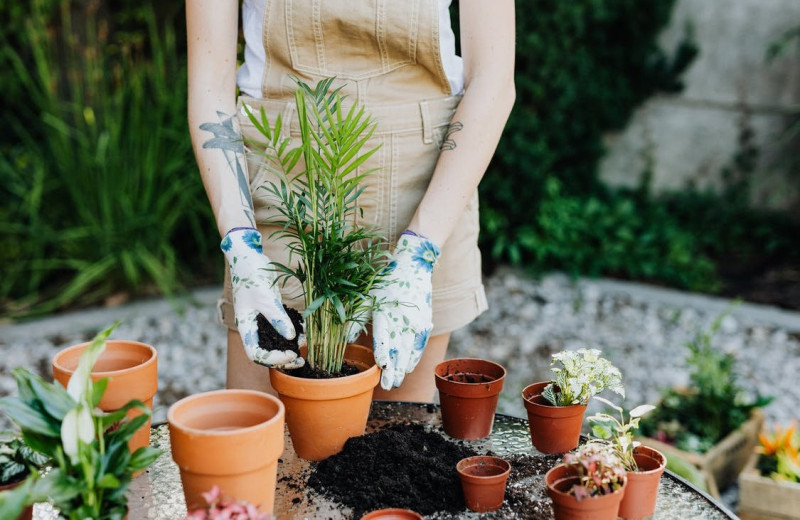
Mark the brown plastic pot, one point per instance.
(132, 371)
(554, 429)
(468, 392)
(642, 489)
(483, 480)
(559, 481)
(392, 514)
(27, 513)
(228, 438)
(323, 413)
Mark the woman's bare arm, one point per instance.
(212, 31)
(487, 47)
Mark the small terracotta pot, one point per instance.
(468, 392)
(642, 489)
(323, 413)
(554, 429)
(392, 514)
(229, 438)
(27, 513)
(483, 480)
(132, 371)
(559, 481)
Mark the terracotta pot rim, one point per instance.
(475, 460)
(661, 461)
(396, 511)
(225, 392)
(364, 374)
(551, 489)
(528, 396)
(146, 363)
(461, 383)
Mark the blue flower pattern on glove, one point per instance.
(426, 254)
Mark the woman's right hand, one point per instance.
(254, 293)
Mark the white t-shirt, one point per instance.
(252, 70)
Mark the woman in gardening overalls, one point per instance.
(438, 123)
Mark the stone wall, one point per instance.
(693, 136)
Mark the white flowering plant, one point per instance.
(92, 464)
(582, 374)
(618, 433)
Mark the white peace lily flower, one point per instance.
(77, 427)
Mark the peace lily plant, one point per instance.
(92, 465)
(339, 262)
(582, 375)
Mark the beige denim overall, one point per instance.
(385, 54)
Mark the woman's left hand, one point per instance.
(402, 320)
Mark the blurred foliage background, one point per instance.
(100, 197)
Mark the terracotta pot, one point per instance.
(27, 513)
(483, 480)
(392, 514)
(559, 481)
(554, 429)
(229, 438)
(468, 392)
(323, 413)
(642, 489)
(132, 371)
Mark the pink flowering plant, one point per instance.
(600, 471)
(226, 508)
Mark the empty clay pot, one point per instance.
(483, 480)
(559, 481)
(229, 438)
(323, 413)
(554, 429)
(132, 371)
(641, 492)
(392, 514)
(468, 392)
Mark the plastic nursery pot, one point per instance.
(559, 481)
(468, 392)
(27, 513)
(554, 429)
(392, 514)
(323, 413)
(229, 438)
(483, 480)
(641, 492)
(132, 371)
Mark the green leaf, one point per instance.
(54, 398)
(28, 418)
(107, 481)
(144, 457)
(641, 410)
(12, 502)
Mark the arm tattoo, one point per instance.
(449, 143)
(228, 139)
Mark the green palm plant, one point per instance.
(338, 261)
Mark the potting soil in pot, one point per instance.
(402, 466)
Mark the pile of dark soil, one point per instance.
(401, 466)
(268, 337)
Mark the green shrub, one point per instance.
(99, 184)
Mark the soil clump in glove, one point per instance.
(268, 337)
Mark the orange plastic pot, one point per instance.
(468, 392)
(323, 413)
(392, 514)
(554, 429)
(27, 513)
(483, 480)
(559, 481)
(132, 371)
(228, 438)
(642, 489)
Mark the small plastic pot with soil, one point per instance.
(483, 479)
(468, 392)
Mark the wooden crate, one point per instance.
(761, 498)
(725, 460)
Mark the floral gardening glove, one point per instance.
(254, 293)
(402, 320)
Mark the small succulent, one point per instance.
(582, 375)
(17, 459)
(618, 433)
(225, 508)
(599, 469)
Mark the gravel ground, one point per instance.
(642, 330)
